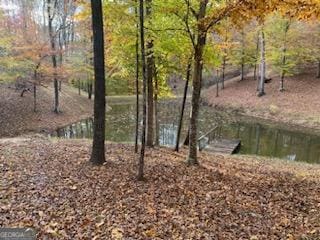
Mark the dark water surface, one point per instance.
(256, 138)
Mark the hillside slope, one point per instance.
(17, 115)
(298, 105)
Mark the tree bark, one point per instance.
(283, 71)
(197, 78)
(186, 140)
(223, 71)
(256, 60)
(183, 105)
(263, 65)
(35, 89)
(224, 63)
(150, 75)
(90, 89)
(56, 94)
(79, 87)
(60, 55)
(137, 79)
(156, 113)
(34, 97)
(242, 56)
(140, 176)
(98, 146)
(284, 56)
(217, 84)
(53, 56)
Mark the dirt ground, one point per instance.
(298, 105)
(50, 186)
(17, 115)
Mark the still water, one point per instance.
(256, 138)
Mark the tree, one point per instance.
(204, 20)
(150, 76)
(144, 90)
(65, 12)
(98, 147)
(281, 59)
(156, 105)
(311, 43)
(256, 57)
(285, 49)
(137, 77)
(242, 54)
(262, 63)
(199, 44)
(78, 52)
(225, 45)
(198, 38)
(244, 50)
(284, 55)
(185, 92)
(121, 27)
(51, 8)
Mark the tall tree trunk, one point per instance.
(98, 147)
(34, 97)
(156, 113)
(284, 56)
(224, 63)
(255, 72)
(144, 90)
(53, 56)
(283, 71)
(56, 95)
(217, 84)
(256, 59)
(242, 71)
(150, 75)
(318, 72)
(197, 78)
(90, 89)
(35, 88)
(187, 139)
(60, 55)
(183, 105)
(263, 64)
(242, 56)
(137, 79)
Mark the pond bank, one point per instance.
(297, 107)
(17, 116)
(256, 116)
(226, 197)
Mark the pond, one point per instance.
(256, 138)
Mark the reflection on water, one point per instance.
(256, 138)
(266, 141)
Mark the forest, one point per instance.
(153, 119)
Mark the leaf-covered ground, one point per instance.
(49, 185)
(17, 115)
(298, 105)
